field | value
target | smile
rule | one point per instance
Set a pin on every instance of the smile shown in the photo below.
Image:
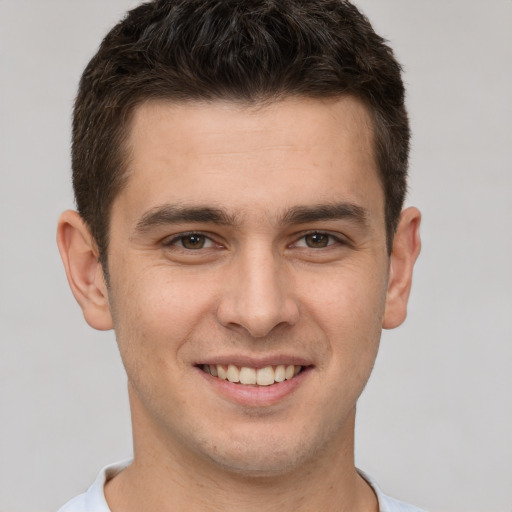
(253, 376)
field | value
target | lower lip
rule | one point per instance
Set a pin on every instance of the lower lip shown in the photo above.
(256, 396)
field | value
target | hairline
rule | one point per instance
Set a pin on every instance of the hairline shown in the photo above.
(123, 151)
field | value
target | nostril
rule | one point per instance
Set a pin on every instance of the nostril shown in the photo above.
(258, 300)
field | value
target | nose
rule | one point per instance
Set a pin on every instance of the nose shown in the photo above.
(257, 296)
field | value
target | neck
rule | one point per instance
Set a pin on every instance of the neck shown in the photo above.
(167, 477)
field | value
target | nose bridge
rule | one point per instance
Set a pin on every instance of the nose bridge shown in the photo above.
(258, 297)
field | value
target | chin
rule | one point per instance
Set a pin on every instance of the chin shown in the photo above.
(268, 456)
(258, 465)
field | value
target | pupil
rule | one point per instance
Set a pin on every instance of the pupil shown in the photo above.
(317, 240)
(193, 242)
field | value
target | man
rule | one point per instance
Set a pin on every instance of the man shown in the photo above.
(239, 170)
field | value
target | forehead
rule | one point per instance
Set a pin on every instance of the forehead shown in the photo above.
(297, 151)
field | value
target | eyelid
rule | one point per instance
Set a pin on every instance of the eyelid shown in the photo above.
(335, 239)
(172, 240)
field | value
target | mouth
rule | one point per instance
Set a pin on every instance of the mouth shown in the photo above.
(246, 376)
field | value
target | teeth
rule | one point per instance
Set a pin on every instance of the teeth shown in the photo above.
(252, 376)
(233, 373)
(265, 376)
(248, 375)
(280, 373)
(221, 372)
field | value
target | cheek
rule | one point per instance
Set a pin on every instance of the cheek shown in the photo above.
(348, 307)
(350, 297)
(155, 313)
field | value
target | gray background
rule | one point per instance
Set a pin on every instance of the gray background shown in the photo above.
(435, 423)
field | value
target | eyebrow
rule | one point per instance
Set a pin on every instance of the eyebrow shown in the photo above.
(323, 212)
(175, 214)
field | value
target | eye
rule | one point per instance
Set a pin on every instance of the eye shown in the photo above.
(191, 241)
(317, 240)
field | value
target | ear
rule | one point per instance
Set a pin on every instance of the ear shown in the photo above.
(80, 256)
(406, 248)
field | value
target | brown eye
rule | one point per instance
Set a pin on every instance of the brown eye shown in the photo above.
(317, 240)
(193, 241)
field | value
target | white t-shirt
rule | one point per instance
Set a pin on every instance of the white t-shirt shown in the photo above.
(94, 499)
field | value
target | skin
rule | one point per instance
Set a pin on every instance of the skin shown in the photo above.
(259, 284)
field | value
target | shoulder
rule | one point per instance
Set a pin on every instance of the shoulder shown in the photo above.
(77, 504)
(94, 499)
(386, 503)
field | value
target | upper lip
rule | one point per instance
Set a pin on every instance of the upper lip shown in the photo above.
(255, 362)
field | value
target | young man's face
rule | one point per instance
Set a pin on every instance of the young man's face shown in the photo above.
(248, 238)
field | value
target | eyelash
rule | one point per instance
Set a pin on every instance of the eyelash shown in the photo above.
(174, 241)
(182, 236)
(331, 239)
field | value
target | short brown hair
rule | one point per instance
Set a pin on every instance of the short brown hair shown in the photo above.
(244, 50)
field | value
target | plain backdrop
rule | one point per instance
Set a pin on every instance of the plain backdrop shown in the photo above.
(435, 422)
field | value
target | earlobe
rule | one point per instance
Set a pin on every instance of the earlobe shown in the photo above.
(84, 271)
(406, 248)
